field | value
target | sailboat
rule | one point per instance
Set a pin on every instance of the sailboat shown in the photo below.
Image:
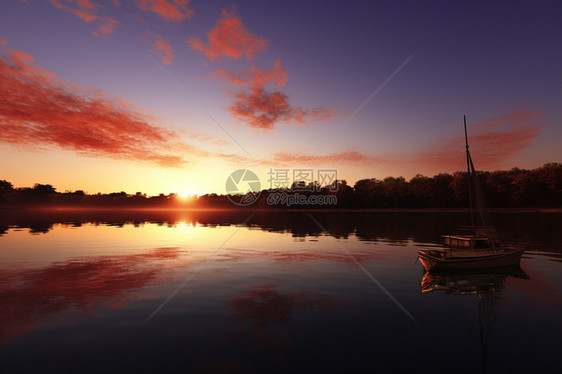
(475, 246)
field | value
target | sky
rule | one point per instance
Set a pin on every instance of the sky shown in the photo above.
(164, 96)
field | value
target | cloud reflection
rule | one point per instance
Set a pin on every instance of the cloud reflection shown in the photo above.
(267, 309)
(29, 297)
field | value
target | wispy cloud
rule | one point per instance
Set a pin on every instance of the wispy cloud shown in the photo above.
(161, 48)
(200, 136)
(86, 4)
(3, 41)
(229, 38)
(38, 109)
(168, 10)
(351, 156)
(105, 25)
(493, 142)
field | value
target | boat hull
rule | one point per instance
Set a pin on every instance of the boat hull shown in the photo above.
(507, 258)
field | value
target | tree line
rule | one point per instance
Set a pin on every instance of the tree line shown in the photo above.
(540, 187)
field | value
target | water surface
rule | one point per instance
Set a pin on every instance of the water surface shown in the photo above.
(270, 292)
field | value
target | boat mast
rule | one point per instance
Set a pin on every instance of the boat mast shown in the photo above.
(470, 181)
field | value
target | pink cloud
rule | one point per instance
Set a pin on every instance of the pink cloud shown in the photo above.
(85, 16)
(86, 4)
(3, 41)
(168, 10)
(229, 38)
(163, 50)
(37, 109)
(255, 77)
(492, 142)
(105, 25)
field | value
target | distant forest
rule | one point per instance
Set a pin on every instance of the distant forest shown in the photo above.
(515, 188)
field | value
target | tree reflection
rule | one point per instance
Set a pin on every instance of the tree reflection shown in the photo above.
(392, 227)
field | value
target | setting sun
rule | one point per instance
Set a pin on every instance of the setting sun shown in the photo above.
(185, 195)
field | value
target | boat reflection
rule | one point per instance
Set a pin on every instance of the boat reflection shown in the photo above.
(486, 284)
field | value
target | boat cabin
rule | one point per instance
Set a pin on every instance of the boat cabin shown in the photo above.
(478, 237)
(466, 242)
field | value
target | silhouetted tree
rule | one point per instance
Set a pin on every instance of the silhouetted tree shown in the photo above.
(540, 187)
(369, 193)
(5, 186)
(397, 193)
(44, 188)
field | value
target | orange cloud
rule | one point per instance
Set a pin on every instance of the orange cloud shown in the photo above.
(259, 107)
(163, 50)
(105, 25)
(262, 109)
(3, 41)
(229, 38)
(38, 109)
(173, 10)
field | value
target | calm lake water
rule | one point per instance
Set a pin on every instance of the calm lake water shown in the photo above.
(275, 292)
